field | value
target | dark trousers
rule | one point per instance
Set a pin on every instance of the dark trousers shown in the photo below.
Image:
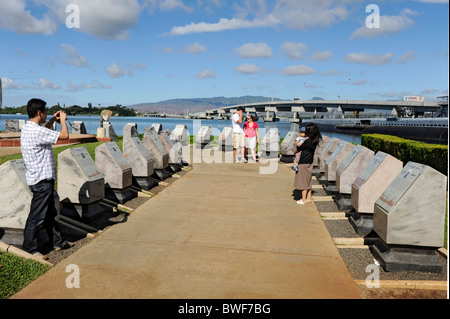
(41, 230)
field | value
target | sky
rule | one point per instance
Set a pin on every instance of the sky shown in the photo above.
(109, 52)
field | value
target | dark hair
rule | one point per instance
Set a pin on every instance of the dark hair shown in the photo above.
(313, 132)
(253, 117)
(240, 108)
(35, 105)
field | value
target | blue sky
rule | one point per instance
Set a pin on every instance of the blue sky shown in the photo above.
(135, 51)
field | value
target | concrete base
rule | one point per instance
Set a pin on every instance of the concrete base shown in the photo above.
(226, 148)
(144, 183)
(12, 236)
(330, 188)
(269, 154)
(321, 179)
(406, 258)
(84, 212)
(343, 201)
(161, 174)
(173, 168)
(361, 222)
(287, 158)
(118, 195)
(315, 171)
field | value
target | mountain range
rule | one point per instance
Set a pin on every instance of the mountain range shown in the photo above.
(193, 105)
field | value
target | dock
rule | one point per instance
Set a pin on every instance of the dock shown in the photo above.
(222, 231)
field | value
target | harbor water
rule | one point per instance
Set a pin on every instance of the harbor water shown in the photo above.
(193, 126)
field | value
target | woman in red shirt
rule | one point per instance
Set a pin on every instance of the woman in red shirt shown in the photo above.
(251, 135)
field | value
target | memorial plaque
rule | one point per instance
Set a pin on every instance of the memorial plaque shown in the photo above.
(156, 149)
(326, 153)
(130, 130)
(319, 149)
(203, 137)
(288, 147)
(373, 180)
(78, 127)
(81, 185)
(14, 194)
(12, 125)
(226, 139)
(411, 214)
(270, 144)
(158, 128)
(351, 167)
(109, 131)
(116, 171)
(179, 134)
(141, 163)
(336, 159)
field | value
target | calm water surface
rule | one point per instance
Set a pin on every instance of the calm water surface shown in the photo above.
(193, 126)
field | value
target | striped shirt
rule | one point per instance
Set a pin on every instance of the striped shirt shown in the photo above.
(36, 144)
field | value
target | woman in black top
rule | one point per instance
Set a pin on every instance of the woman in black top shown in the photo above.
(303, 178)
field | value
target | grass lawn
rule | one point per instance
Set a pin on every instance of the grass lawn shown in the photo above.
(16, 273)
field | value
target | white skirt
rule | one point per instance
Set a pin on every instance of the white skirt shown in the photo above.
(250, 142)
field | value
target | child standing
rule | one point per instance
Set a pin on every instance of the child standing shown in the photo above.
(299, 141)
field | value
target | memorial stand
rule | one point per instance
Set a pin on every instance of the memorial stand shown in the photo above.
(155, 148)
(409, 218)
(288, 147)
(270, 144)
(332, 164)
(323, 157)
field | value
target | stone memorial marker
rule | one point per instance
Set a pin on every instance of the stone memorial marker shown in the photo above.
(12, 125)
(15, 197)
(109, 131)
(141, 163)
(129, 131)
(179, 134)
(320, 147)
(288, 147)
(175, 151)
(348, 171)
(368, 187)
(270, 144)
(332, 164)
(81, 185)
(78, 127)
(323, 157)
(203, 137)
(226, 139)
(105, 115)
(116, 171)
(409, 217)
(158, 127)
(153, 145)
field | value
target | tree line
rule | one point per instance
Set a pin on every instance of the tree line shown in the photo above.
(118, 110)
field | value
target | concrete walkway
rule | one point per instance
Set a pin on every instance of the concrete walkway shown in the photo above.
(221, 231)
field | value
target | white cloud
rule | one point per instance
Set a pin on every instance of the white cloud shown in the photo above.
(254, 50)
(195, 48)
(46, 84)
(222, 25)
(15, 16)
(8, 83)
(367, 58)
(205, 74)
(83, 86)
(114, 70)
(331, 72)
(410, 56)
(388, 25)
(293, 14)
(294, 50)
(321, 56)
(106, 19)
(298, 70)
(73, 57)
(168, 5)
(248, 69)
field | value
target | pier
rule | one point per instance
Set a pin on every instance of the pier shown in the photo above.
(221, 231)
